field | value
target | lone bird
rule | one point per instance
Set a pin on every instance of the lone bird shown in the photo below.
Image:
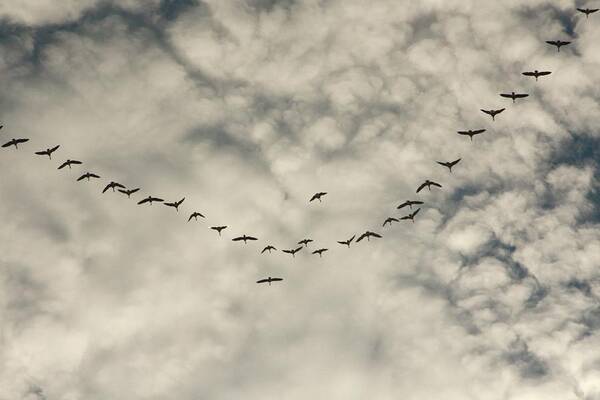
(428, 184)
(320, 252)
(493, 113)
(347, 242)
(129, 192)
(389, 220)
(305, 242)
(470, 133)
(317, 196)
(411, 216)
(87, 176)
(195, 215)
(557, 43)
(409, 203)
(15, 142)
(587, 11)
(175, 204)
(113, 185)
(513, 95)
(269, 279)
(244, 238)
(48, 152)
(68, 163)
(368, 235)
(218, 228)
(536, 73)
(150, 199)
(449, 164)
(268, 248)
(293, 251)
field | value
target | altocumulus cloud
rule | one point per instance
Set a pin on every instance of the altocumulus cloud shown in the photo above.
(247, 108)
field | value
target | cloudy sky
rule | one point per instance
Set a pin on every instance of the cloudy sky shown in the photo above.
(247, 108)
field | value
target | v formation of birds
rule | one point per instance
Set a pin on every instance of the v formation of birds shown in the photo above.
(303, 244)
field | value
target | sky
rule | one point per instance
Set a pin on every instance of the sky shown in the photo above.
(247, 108)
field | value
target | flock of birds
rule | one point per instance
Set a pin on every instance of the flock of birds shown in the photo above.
(304, 243)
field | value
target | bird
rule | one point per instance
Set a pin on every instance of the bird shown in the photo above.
(513, 95)
(218, 228)
(1, 126)
(493, 113)
(368, 235)
(112, 185)
(150, 199)
(268, 248)
(269, 279)
(409, 203)
(587, 11)
(305, 242)
(293, 251)
(347, 242)
(389, 220)
(470, 133)
(129, 192)
(15, 142)
(68, 163)
(317, 196)
(195, 215)
(428, 184)
(449, 164)
(320, 252)
(557, 43)
(87, 176)
(175, 204)
(536, 73)
(411, 216)
(48, 152)
(244, 238)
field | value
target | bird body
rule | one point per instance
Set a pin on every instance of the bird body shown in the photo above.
(449, 164)
(68, 163)
(389, 220)
(305, 242)
(150, 199)
(218, 228)
(175, 204)
(112, 185)
(317, 196)
(411, 216)
(195, 215)
(514, 96)
(470, 133)
(428, 184)
(536, 73)
(347, 242)
(87, 176)
(268, 248)
(368, 235)
(293, 251)
(587, 11)
(320, 252)
(409, 203)
(557, 43)
(129, 192)
(269, 280)
(15, 142)
(47, 152)
(493, 113)
(244, 238)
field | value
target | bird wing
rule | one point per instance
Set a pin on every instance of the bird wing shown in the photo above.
(134, 190)
(263, 250)
(489, 112)
(315, 196)
(63, 165)
(276, 279)
(251, 238)
(107, 187)
(521, 95)
(478, 131)
(445, 164)
(351, 239)
(552, 42)
(180, 201)
(544, 73)
(402, 205)
(82, 177)
(170, 204)
(421, 187)
(119, 185)
(415, 213)
(143, 201)
(435, 184)
(405, 217)
(94, 176)
(7, 144)
(76, 162)
(41, 153)
(377, 235)
(191, 216)
(157, 199)
(361, 237)
(499, 111)
(52, 150)
(582, 10)
(564, 43)
(509, 95)
(21, 140)
(529, 73)
(453, 163)
(237, 239)
(262, 281)
(463, 132)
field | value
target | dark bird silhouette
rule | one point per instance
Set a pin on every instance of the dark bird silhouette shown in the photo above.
(269, 279)
(129, 192)
(48, 152)
(368, 235)
(449, 164)
(305, 242)
(428, 184)
(389, 220)
(514, 96)
(317, 196)
(87, 176)
(587, 11)
(68, 163)
(493, 113)
(195, 215)
(175, 204)
(113, 185)
(1, 126)
(411, 216)
(293, 251)
(150, 199)
(15, 142)
(347, 242)
(268, 248)
(218, 228)
(320, 252)
(470, 133)
(536, 73)
(409, 203)
(244, 238)
(557, 43)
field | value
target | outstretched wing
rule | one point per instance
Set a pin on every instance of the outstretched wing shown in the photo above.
(21, 140)
(76, 162)
(377, 235)
(82, 177)
(544, 73)
(276, 279)
(415, 213)
(237, 239)
(521, 95)
(63, 165)
(361, 237)
(421, 187)
(157, 199)
(7, 144)
(453, 163)
(477, 131)
(144, 201)
(41, 153)
(435, 184)
(508, 95)
(251, 238)
(529, 73)
(315, 196)
(107, 187)
(445, 164)
(263, 280)
(552, 42)
(263, 250)
(403, 205)
(52, 150)
(119, 185)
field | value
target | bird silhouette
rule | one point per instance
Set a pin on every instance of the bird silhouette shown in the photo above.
(244, 238)
(48, 152)
(514, 96)
(293, 251)
(195, 215)
(411, 216)
(409, 203)
(587, 11)
(347, 242)
(129, 192)
(470, 133)
(150, 199)
(269, 279)
(389, 220)
(113, 185)
(68, 163)
(175, 204)
(15, 142)
(305, 242)
(320, 252)
(557, 43)
(1, 126)
(536, 73)
(493, 113)
(368, 235)
(449, 164)
(317, 196)
(268, 248)
(87, 176)
(218, 228)
(428, 184)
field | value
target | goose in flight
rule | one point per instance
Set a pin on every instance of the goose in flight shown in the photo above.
(428, 184)
(347, 242)
(305, 242)
(409, 203)
(129, 192)
(150, 199)
(411, 216)
(175, 204)
(293, 251)
(87, 176)
(557, 43)
(195, 215)
(449, 164)
(269, 279)
(268, 248)
(368, 235)
(218, 228)
(493, 113)
(244, 238)
(587, 11)
(389, 220)
(470, 133)
(15, 142)
(48, 152)
(536, 73)
(317, 196)
(113, 185)
(514, 96)
(68, 163)
(320, 252)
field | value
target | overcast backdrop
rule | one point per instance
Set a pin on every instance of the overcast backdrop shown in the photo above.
(247, 108)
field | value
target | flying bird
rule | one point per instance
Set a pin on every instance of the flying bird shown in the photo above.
(129, 192)
(557, 43)
(48, 152)
(587, 11)
(317, 196)
(113, 185)
(320, 252)
(411, 216)
(269, 279)
(470, 133)
(87, 176)
(68, 163)
(305, 242)
(150, 199)
(493, 113)
(175, 204)
(536, 73)
(389, 220)
(368, 235)
(195, 215)
(347, 242)
(409, 203)
(449, 164)
(218, 228)
(244, 238)
(514, 96)
(15, 142)
(293, 251)
(428, 184)
(268, 248)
